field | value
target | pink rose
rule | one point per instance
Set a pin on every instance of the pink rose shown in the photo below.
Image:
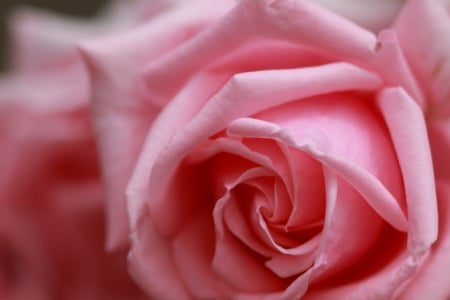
(52, 231)
(268, 150)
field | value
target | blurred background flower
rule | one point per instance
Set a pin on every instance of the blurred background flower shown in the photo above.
(52, 214)
(80, 8)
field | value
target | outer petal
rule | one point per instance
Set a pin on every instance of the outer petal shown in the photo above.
(427, 48)
(122, 108)
(408, 132)
(432, 280)
(297, 22)
(152, 266)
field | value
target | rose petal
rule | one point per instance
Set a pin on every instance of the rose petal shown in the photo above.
(193, 250)
(308, 184)
(122, 124)
(432, 279)
(252, 19)
(309, 25)
(409, 135)
(427, 48)
(239, 268)
(238, 225)
(394, 66)
(150, 258)
(380, 269)
(291, 265)
(369, 287)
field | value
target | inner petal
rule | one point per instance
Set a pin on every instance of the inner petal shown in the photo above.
(309, 195)
(254, 206)
(301, 175)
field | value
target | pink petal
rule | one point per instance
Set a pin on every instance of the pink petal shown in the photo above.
(152, 266)
(427, 48)
(236, 266)
(259, 19)
(308, 183)
(301, 23)
(431, 281)
(121, 108)
(193, 249)
(228, 213)
(393, 269)
(393, 272)
(390, 62)
(352, 230)
(409, 135)
(292, 265)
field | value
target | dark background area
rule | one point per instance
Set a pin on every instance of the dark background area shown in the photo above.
(69, 7)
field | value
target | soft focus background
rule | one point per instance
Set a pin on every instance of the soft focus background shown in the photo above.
(82, 8)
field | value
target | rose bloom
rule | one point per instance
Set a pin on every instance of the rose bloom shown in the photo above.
(275, 150)
(52, 231)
